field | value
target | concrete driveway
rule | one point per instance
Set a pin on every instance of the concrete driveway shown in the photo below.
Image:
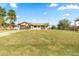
(7, 33)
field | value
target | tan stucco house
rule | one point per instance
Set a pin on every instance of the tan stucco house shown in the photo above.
(39, 26)
(24, 25)
(33, 26)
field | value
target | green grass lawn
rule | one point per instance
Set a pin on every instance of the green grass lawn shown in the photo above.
(41, 43)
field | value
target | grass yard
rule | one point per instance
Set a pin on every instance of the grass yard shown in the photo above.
(41, 43)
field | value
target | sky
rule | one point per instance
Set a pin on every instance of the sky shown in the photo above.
(43, 12)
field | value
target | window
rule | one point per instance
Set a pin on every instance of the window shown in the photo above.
(35, 26)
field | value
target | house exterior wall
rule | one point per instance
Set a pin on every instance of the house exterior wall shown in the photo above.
(77, 23)
(23, 26)
(38, 28)
(33, 26)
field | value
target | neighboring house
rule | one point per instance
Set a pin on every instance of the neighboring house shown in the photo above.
(24, 25)
(75, 26)
(11, 27)
(33, 26)
(39, 26)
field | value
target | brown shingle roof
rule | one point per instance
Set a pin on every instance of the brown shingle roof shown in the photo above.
(33, 24)
(23, 22)
(38, 24)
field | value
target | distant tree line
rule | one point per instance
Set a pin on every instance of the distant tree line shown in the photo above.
(65, 24)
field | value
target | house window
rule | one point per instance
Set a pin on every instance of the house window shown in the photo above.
(35, 26)
(38, 26)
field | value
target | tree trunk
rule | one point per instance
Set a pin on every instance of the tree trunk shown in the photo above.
(1, 28)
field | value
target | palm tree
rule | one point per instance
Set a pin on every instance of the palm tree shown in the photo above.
(11, 17)
(2, 15)
(2, 12)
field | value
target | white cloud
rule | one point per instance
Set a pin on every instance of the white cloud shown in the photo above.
(53, 5)
(67, 14)
(13, 5)
(64, 17)
(71, 6)
(18, 16)
(72, 23)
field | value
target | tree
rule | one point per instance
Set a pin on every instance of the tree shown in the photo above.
(77, 20)
(53, 27)
(63, 24)
(75, 26)
(11, 17)
(2, 15)
(2, 12)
